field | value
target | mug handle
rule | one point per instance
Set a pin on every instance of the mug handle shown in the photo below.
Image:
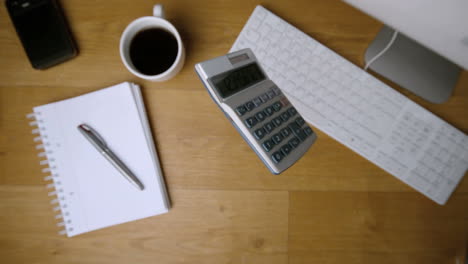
(158, 11)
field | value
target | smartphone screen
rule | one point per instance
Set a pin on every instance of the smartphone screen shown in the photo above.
(42, 30)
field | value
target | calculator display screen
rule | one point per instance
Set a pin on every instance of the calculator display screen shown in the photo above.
(234, 81)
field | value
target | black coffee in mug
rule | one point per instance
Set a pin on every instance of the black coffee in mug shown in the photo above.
(153, 51)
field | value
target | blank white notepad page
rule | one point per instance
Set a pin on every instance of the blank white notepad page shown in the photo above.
(95, 194)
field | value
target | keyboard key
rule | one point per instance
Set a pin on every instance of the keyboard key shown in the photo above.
(292, 111)
(300, 121)
(277, 121)
(294, 142)
(241, 110)
(257, 101)
(308, 131)
(265, 97)
(269, 111)
(286, 149)
(260, 116)
(251, 121)
(259, 133)
(277, 138)
(286, 132)
(269, 127)
(268, 145)
(277, 106)
(285, 116)
(277, 156)
(250, 106)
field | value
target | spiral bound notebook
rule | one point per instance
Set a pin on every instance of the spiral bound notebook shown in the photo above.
(88, 191)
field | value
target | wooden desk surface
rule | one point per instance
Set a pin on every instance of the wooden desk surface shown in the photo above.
(333, 206)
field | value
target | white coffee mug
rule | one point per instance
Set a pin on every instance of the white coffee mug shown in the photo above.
(143, 23)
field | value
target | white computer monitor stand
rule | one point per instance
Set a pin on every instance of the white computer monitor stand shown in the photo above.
(413, 66)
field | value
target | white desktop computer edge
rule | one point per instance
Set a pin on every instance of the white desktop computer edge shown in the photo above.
(430, 50)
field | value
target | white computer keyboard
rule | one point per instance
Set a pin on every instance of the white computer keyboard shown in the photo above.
(357, 109)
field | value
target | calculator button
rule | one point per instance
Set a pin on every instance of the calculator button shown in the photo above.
(250, 106)
(269, 111)
(269, 127)
(308, 131)
(251, 121)
(284, 101)
(294, 142)
(277, 156)
(286, 132)
(260, 133)
(277, 121)
(286, 149)
(260, 116)
(285, 116)
(277, 138)
(265, 97)
(300, 121)
(302, 135)
(273, 124)
(257, 101)
(268, 145)
(241, 110)
(277, 90)
(296, 129)
(271, 94)
(292, 111)
(277, 106)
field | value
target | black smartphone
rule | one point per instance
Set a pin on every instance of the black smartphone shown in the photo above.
(43, 31)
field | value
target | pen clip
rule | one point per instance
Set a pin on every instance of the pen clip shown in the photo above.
(93, 133)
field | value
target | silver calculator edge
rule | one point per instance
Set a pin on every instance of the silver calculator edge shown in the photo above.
(216, 66)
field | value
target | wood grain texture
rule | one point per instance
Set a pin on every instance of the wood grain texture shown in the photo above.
(206, 226)
(357, 227)
(332, 206)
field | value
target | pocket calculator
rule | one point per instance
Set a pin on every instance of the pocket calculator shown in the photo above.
(257, 108)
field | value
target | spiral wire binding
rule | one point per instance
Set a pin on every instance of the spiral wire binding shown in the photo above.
(53, 180)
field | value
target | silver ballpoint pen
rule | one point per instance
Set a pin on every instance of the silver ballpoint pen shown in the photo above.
(93, 137)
